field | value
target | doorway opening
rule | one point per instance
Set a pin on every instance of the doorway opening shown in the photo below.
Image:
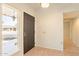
(71, 32)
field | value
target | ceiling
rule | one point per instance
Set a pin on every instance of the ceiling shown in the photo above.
(71, 10)
(61, 5)
(64, 6)
(71, 7)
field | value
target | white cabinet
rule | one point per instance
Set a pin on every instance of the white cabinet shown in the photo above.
(9, 47)
(9, 31)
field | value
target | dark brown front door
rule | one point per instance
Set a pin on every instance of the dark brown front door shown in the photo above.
(29, 22)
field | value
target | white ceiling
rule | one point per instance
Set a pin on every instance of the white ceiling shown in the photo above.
(61, 5)
(65, 6)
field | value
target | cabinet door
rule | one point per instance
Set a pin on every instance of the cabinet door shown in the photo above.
(9, 47)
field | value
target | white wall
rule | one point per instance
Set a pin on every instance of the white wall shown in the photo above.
(75, 31)
(49, 28)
